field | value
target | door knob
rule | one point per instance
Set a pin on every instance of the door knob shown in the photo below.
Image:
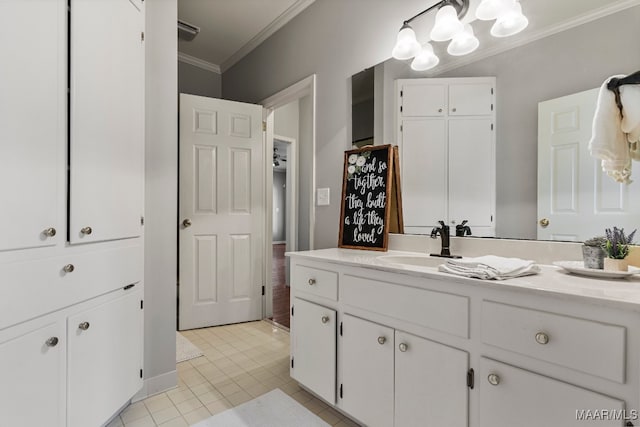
(186, 223)
(84, 326)
(325, 319)
(544, 222)
(403, 347)
(382, 340)
(68, 268)
(86, 230)
(49, 232)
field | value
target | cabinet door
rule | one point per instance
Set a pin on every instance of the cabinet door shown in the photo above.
(104, 359)
(33, 377)
(513, 396)
(314, 348)
(32, 119)
(107, 121)
(471, 173)
(423, 99)
(367, 371)
(423, 161)
(431, 387)
(470, 99)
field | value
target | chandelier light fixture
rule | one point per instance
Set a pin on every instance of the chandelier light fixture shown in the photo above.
(509, 21)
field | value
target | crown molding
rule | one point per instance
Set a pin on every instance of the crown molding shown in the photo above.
(267, 32)
(197, 62)
(537, 35)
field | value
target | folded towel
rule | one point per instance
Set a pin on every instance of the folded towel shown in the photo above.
(490, 267)
(608, 140)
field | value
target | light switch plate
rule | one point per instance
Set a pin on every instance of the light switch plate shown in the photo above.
(322, 196)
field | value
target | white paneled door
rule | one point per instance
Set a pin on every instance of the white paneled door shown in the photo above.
(222, 212)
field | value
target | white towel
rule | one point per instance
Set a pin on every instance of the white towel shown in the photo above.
(630, 99)
(608, 141)
(490, 267)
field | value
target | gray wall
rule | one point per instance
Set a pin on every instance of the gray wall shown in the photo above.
(333, 39)
(161, 195)
(572, 61)
(197, 81)
(279, 211)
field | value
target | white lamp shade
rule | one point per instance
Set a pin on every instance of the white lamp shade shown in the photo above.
(425, 60)
(463, 43)
(491, 9)
(511, 22)
(406, 44)
(447, 24)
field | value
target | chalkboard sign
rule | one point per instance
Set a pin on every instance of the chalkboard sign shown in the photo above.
(370, 193)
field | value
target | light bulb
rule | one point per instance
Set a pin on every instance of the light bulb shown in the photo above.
(425, 60)
(464, 42)
(491, 9)
(510, 22)
(406, 44)
(447, 24)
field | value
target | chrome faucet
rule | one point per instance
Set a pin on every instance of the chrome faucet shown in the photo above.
(443, 231)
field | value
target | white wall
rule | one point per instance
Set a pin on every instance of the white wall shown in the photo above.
(161, 195)
(333, 39)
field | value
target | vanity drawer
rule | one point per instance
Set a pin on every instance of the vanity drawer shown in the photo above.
(439, 311)
(315, 281)
(581, 344)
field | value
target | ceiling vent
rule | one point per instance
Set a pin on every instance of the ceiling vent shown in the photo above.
(187, 31)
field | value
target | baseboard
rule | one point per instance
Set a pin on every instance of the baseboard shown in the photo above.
(156, 385)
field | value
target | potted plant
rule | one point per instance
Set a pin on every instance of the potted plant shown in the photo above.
(616, 248)
(593, 252)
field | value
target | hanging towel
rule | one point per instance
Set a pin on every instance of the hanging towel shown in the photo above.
(490, 267)
(608, 141)
(630, 99)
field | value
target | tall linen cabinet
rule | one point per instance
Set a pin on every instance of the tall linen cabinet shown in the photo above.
(72, 220)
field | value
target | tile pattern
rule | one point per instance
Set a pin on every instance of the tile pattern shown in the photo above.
(240, 362)
(281, 292)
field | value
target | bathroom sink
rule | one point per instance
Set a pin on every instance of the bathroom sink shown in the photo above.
(412, 260)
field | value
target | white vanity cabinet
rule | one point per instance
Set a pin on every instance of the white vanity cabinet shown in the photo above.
(445, 132)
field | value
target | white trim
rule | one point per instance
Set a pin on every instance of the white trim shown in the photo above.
(197, 62)
(537, 35)
(156, 385)
(267, 32)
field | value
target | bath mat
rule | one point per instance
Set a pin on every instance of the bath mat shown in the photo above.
(185, 349)
(272, 409)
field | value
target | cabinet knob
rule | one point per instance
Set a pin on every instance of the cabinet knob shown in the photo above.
(439, 110)
(453, 109)
(50, 232)
(84, 326)
(403, 347)
(86, 230)
(325, 319)
(382, 340)
(544, 222)
(493, 379)
(68, 268)
(542, 338)
(186, 223)
(52, 342)
(312, 282)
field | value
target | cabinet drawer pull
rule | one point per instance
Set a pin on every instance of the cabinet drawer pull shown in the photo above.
(52, 342)
(325, 319)
(542, 338)
(382, 340)
(84, 325)
(403, 347)
(68, 268)
(312, 282)
(50, 232)
(493, 379)
(86, 230)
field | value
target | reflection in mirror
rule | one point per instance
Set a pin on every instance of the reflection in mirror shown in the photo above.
(362, 108)
(569, 47)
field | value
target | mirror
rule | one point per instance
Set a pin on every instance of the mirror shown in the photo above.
(569, 47)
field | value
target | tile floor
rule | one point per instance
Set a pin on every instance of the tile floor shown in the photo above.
(240, 362)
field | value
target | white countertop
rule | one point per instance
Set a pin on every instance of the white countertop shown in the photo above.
(623, 293)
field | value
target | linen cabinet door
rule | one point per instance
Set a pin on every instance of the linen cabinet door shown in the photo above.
(367, 371)
(107, 120)
(32, 369)
(471, 99)
(104, 359)
(32, 120)
(314, 348)
(431, 388)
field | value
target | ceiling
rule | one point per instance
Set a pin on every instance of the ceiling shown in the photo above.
(230, 29)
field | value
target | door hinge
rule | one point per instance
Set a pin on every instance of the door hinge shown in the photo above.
(400, 128)
(292, 362)
(340, 328)
(262, 290)
(142, 36)
(140, 373)
(491, 107)
(491, 218)
(401, 93)
(491, 126)
(264, 126)
(491, 91)
(141, 220)
(291, 311)
(129, 286)
(401, 108)
(470, 378)
(141, 304)
(340, 391)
